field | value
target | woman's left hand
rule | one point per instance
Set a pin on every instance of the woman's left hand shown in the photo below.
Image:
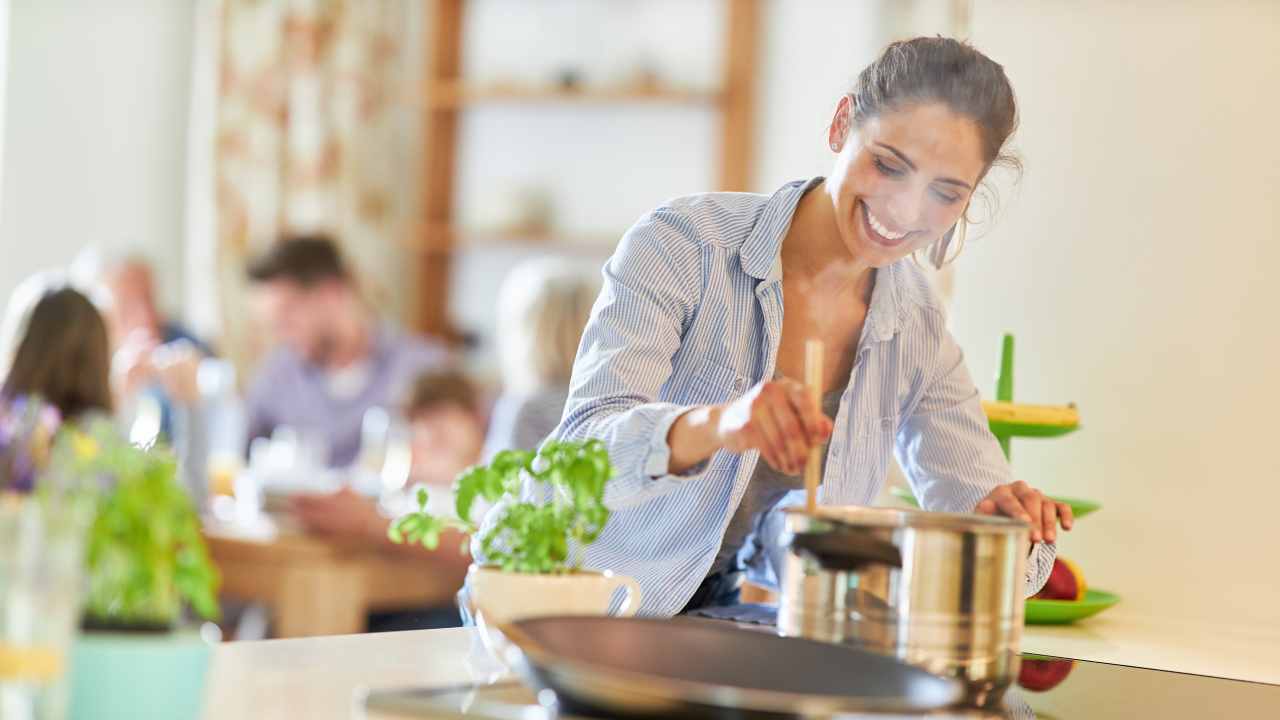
(1020, 501)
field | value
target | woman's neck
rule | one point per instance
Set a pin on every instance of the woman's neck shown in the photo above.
(814, 253)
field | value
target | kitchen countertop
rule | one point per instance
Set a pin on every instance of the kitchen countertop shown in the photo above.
(317, 678)
(1238, 652)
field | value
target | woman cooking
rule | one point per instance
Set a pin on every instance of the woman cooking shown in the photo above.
(688, 365)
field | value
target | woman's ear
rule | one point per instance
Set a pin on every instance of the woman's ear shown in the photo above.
(838, 133)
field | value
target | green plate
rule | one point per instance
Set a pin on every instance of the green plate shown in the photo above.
(1061, 612)
(1079, 508)
(1005, 428)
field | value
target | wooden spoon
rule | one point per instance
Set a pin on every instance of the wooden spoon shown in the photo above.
(813, 383)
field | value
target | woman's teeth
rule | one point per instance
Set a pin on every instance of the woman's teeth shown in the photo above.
(880, 228)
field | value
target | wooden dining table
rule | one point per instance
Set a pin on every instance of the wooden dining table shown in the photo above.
(315, 585)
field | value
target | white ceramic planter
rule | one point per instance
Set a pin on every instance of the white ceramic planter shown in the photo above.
(505, 596)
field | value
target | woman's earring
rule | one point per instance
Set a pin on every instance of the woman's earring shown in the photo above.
(938, 252)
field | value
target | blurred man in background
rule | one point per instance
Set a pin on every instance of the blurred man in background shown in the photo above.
(336, 358)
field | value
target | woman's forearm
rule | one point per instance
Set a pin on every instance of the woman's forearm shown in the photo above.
(693, 438)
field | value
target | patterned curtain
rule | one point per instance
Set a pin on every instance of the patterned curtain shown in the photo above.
(303, 119)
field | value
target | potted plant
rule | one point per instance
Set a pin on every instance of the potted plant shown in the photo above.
(531, 544)
(146, 564)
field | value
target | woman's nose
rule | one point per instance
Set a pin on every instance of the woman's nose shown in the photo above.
(904, 210)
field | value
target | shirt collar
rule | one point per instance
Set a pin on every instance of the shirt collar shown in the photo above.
(759, 253)
(760, 257)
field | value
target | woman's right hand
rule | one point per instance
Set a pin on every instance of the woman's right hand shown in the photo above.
(777, 417)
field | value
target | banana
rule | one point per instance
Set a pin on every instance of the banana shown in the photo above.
(1055, 415)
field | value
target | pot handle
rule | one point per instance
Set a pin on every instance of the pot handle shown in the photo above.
(845, 548)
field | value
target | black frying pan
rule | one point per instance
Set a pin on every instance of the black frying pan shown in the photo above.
(637, 667)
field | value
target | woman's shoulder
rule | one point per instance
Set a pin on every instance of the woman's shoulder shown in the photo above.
(723, 219)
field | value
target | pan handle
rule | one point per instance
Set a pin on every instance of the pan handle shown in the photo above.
(845, 548)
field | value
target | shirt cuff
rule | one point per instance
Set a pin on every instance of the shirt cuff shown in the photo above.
(658, 461)
(1039, 565)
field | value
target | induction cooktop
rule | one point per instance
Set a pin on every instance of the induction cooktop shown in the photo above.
(1048, 687)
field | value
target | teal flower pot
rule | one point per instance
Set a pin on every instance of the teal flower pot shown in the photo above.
(139, 676)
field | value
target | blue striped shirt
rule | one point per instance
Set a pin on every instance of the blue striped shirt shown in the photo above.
(690, 313)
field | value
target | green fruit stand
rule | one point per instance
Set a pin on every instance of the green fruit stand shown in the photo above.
(1038, 612)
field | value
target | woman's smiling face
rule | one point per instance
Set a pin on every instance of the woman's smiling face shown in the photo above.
(901, 179)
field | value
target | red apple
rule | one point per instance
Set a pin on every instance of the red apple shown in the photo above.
(1065, 582)
(1044, 674)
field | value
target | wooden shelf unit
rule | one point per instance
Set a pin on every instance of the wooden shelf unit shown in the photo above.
(446, 93)
(448, 239)
(460, 95)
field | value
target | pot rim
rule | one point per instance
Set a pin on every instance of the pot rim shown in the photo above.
(861, 516)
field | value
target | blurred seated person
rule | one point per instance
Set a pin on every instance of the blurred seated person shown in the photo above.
(54, 343)
(543, 307)
(145, 345)
(336, 358)
(132, 309)
(58, 351)
(446, 427)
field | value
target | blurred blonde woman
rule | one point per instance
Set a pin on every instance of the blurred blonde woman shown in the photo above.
(543, 306)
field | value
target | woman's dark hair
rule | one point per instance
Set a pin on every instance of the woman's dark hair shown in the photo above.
(64, 356)
(938, 69)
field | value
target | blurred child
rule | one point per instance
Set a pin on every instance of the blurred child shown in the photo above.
(447, 429)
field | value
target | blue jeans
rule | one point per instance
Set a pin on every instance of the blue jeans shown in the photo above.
(717, 590)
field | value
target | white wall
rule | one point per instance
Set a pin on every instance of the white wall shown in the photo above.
(1136, 266)
(95, 113)
(811, 52)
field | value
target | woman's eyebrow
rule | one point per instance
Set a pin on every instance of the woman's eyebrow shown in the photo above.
(953, 181)
(899, 153)
(907, 160)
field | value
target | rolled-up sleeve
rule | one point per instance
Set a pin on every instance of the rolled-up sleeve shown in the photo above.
(651, 288)
(946, 448)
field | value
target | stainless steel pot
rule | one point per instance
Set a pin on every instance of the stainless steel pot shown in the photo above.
(941, 591)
